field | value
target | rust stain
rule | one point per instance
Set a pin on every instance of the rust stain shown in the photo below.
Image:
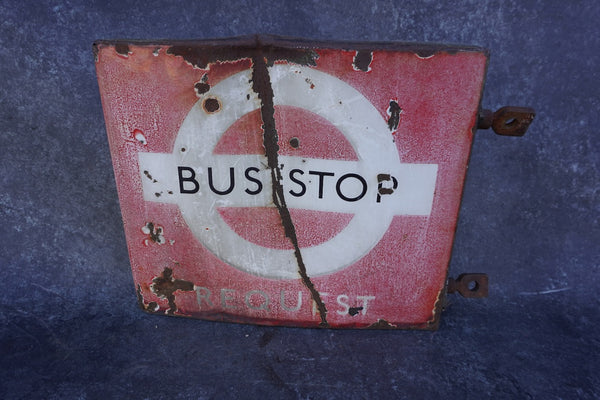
(95, 50)
(202, 55)
(201, 87)
(140, 297)
(155, 233)
(151, 307)
(362, 60)
(352, 311)
(122, 49)
(438, 307)
(295, 50)
(147, 173)
(394, 112)
(261, 84)
(382, 324)
(211, 105)
(165, 286)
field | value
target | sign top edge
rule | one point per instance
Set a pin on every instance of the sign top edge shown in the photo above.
(285, 42)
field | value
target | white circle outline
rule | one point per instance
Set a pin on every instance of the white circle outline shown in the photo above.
(320, 93)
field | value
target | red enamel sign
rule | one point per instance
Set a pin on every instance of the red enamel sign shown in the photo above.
(290, 183)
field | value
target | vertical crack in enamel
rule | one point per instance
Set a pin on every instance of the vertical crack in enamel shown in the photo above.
(261, 84)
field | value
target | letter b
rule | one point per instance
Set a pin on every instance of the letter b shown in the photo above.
(191, 179)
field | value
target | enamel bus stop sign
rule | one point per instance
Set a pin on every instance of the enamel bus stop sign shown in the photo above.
(282, 182)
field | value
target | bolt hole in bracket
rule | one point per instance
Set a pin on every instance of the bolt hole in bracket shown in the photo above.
(507, 121)
(469, 285)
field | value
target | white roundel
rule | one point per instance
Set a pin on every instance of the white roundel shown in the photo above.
(340, 104)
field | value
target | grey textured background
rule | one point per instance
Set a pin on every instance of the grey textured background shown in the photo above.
(69, 323)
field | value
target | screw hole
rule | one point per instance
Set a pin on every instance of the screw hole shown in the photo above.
(473, 286)
(295, 142)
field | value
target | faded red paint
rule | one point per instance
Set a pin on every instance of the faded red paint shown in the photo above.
(399, 281)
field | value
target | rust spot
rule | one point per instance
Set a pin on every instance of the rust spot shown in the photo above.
(140, 298)
(362, 60)
(122, 49)
(382, 324)
(147, 173)
(439, 306)
(95, 50)
(352, 311)
(155, 233)
(151, 307)
(165, 286)
(211, 105)
(200, 56)
(394, 112)
(201, 88)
